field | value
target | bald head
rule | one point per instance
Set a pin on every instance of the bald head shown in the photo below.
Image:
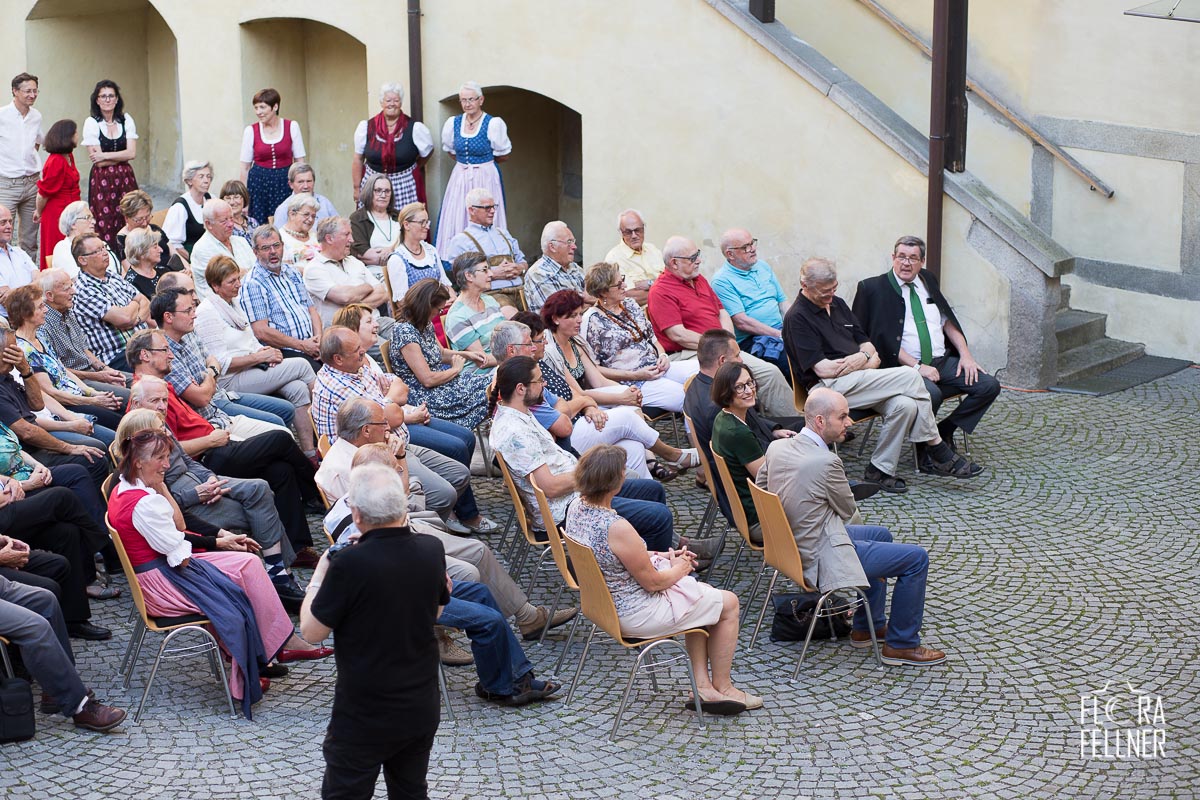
(827, 414)
(682, 257)
(738, 247)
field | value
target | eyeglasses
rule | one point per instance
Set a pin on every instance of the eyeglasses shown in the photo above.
(92, 253)
(485, 208)
(424, 223)
(748, 246)
(907, 259)
(381, 422)
(157, 349)
(381, 190)
(536, 380)
(633, 231)
(567, 242)
(270, 247)
(469, 100)
(523, 344)
(745, 388)
(539, 341)
(106, 97)
(694, 257)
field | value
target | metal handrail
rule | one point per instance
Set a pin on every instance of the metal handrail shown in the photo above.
(987, 97)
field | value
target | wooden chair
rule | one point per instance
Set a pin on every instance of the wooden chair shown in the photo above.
(525, 522)
(171, 626)
(323, 445)
(386, 357)
(742, 524)
(782, 554)
(391, 304)
(597, 605)
(713, 510)
(8, 668)
(558, 552)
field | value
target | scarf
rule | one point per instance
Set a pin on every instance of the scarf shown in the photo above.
(379, 129)
(232, 315)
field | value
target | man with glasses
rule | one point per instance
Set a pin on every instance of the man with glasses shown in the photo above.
(912, 325)
(751, 293)
(828, 348)
(641, 262)
(16, 267)
(503, 253)
(556, 269)
(280, 311)
(110, 310)
(683, 306)
(218, 240)
(62, 333)
(302, 180)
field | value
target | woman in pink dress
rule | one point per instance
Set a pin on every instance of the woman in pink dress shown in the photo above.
(227, 583)
(58, 186)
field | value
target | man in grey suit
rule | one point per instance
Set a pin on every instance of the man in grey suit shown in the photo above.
(812, 485)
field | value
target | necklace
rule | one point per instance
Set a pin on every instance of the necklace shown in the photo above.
(624, 322)
(471, 125)
(296, 234)
(420, 251)
(378, 227)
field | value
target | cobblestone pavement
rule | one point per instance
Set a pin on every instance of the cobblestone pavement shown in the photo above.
(1070, 563)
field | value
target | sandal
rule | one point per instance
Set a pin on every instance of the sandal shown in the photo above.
(96, 591)
(663, 473)
(959, 467)
(688, 458)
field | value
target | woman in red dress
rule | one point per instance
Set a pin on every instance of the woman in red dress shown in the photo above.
(58, 186)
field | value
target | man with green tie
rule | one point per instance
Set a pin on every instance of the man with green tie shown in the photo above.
(912, 325)
(827, 347)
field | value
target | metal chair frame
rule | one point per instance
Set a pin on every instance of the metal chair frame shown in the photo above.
(713, 510)
(559, 553)
(522, 516)
(8, 667)
(742, 524)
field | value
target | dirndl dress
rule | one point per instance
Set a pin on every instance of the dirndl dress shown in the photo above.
(108, 184)
(267, 180)
(476, 167)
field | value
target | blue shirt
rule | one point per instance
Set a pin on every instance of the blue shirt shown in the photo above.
(545, 412)
(280, 299)
(494, 241)
(755, 291)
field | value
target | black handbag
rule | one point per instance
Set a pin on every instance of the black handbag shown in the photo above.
(794, 613)
(16, 710)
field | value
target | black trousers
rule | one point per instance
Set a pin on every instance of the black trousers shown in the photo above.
(275, 458)
(978, 398)
(352, 768)
(44, 570)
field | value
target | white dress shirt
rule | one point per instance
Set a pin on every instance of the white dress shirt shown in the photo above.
(19, 138)
(910, 342)
(322, 274)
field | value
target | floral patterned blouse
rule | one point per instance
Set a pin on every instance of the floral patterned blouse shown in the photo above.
(48, 362)
(620, 341)
(11, 462)
(462, 400)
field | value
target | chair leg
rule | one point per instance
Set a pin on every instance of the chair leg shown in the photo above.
(706, 520)
(763, 611)
(129, 650)
(737, 560)
(567, 644)
(220, 662)
(578, 669)
(550, 615)
(138, 640)
(8, 668)
(625, 695)
(653, 678)
(486, 453)
(445, 692)
(537, 570)
(753, 594)
(870, 627)
(816, 614)
(867, 435)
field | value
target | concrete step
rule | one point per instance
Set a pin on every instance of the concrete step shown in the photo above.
(1075, 328)
(1064, 297)
(1096, 357)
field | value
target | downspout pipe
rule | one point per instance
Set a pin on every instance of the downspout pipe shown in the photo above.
(415, 89)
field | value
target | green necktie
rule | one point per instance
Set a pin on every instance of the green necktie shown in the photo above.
(918, 312)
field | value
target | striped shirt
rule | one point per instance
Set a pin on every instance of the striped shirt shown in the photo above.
(188, 369)
(63, 334)
(280, 299)
(464, 325)
(546, 276)
(93, 299)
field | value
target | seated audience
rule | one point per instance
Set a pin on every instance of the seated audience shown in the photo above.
(218, 240)
(753, 298)
(245, 365)
(213, 505)
(683, 306)
(302, 180)
(434, 374)
(137, 208)
(184, 223)
(31, 619)
(225, 582)
(503, 253)
(811, 482)
(556, 270)
(76, 220)
(473, 316)
(374, 226)
(17, 268)
(734, 392)
(300, 245)
(63, 334)
(280, 311)
(413, 259)
(639, 261)
(143, 255)
(335, 278)
(238, 196)
(654, 592)
(108, 308)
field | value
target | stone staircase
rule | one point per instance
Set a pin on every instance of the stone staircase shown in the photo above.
(1083, 349)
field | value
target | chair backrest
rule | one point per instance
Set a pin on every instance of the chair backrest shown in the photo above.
(522, 513)
(594, 598)
(391, 304)
(779, 545)
(384, 347)
(555, 536)
(706, 470)
(135, 588)
(312, 418)
(324, 497)
(687, 382)
(735, 500)
(799, 393)
(323, 445)
(113, 454)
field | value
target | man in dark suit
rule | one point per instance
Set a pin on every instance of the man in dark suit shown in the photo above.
(911, 324)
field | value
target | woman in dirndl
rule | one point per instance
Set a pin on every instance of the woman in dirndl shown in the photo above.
(111, 141)
(478, 141)
(392, 145)
(269, 147)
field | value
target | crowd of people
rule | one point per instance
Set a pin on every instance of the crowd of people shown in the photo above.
(261, 356)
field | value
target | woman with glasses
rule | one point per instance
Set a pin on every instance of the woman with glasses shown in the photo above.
(76, 218)
(393, 146)
(478, 142)
(474, 315)
(111, 141)
(137, 208)
(734, 391)
(375, 230)
(299, 245)
(623, 343)
(414, 259)
(238, 196)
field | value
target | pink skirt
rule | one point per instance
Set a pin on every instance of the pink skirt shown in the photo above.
(453, 218)
(668, 615)
(247, 571)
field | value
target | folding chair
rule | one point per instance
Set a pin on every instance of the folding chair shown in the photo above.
(386, 357)
(323, 445)
(712, 511)
(597, 605)
(171, 626)
(525, 521)
(782, 554)
(742, 524)
(554, 537)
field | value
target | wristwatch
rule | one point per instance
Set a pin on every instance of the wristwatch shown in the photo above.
(214, 371)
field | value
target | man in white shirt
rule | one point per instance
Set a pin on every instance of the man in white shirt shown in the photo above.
(218, 240)
(16, 268)
(335, 278)
(20, 137)
(302, 180)
(640, 262)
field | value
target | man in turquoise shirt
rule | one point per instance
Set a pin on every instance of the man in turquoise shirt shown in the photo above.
(753, 297)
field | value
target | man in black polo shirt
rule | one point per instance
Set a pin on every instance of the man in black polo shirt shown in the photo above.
(381, 597)
(826, 347)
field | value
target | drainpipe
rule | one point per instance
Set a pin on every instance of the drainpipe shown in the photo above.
(415, 92)
(947, 115)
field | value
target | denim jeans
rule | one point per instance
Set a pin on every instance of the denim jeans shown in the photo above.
(909, 564)
(99, 434)
(262, 407)
(644, 504)
(499, 658)
(452, 441)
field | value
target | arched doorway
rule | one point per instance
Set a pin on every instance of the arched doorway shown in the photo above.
(543, 179)
(320, 73)
(73, 45)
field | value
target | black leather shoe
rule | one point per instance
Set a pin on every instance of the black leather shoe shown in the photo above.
(273, 670)
(290, 594)
(864, 489)
(86, 630)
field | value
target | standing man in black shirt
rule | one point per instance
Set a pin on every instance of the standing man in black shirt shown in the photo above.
(382, 597)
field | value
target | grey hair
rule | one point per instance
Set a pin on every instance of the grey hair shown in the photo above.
(191, 168)
(818, 272)
(264, 231)
(332, 341)
(550, 230)
(478, 194)
(391, 88)
(903, 241)
(626, 213)
(302, 201)
(506, 333)
(47, 279)
(328, 227)
(298, 169)
(353, 415)
(377, 494)
(139, 241)
(71, 215)
(675, 247)
(211, 207)
(728, 237)
(137, 392)
(471, 86)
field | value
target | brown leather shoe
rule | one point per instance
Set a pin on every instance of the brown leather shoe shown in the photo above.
(99, 717)
(451, 652)
(863, 638)
(306, 558)
(533, 630)
(919, 656)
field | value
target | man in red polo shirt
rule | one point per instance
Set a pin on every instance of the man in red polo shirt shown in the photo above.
(683, 306)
